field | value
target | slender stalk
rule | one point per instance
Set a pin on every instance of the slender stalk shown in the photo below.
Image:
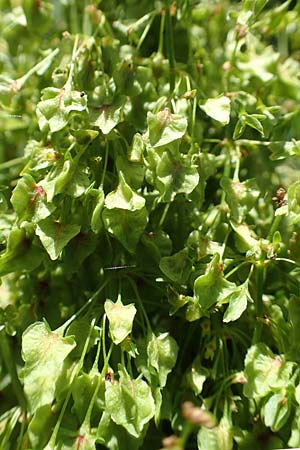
(170, 48)
(105, 164)
(164, 214)
(161, 32)
(274, 227)
(52, 441)
(260, 273)
(145, 32)
(18, 84)
(11, 163)
(6, 353)
(144, 314)
(69, 81)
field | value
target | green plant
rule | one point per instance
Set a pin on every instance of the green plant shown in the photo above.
(149, 225)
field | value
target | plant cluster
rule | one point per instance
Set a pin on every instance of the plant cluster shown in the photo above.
(149, 225)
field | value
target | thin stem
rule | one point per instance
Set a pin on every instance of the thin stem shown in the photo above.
(11, 163)
(105, 366)
(103, 339)
(69, 81)
(12, 370)
(170, 48)
(260, 272)
(161, 32)
(145, 32)
(75, 372)
(193, 120)
(105, 164)
(164, 214)
(80, 311)
(22, 80)
(236, 268)
(144, 314)
(274, 227)
(74, 17)
(237, 166)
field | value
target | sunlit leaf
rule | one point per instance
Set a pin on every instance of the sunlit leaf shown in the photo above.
(43, 352)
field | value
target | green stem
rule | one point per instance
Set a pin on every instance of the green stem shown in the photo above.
(260, 272)
(161, 32)
(236, 268)
(80, 311)
(9, 428)
(164, 214)
(74, 22)
(105, 164)
(78, 367)
(22, 80)
(274, 227)
(145, 32)
(11, 163)
(6, 353)
(170, 48)
(144, 314)
(69, 82)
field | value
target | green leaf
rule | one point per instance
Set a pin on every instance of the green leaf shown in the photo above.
(56, 107)
(83, 389)
(124, 198)
(28, 200)
(245, 238)
(84, 439)
(59, 178)
(162, 353)
(40, 426)
(276, 411)
(196, 376)
(21, 253)
(43, 352)
(164, 127)
(253, 121)
(285, 149)
(175, 175)
(133, 172)
(115, 437)
(120, 319)
(217, 108)
(130, 403)
(294, 440)
(237, 300)
(125, 225)
(55, 236)
(107, 117)
(212, 287)
(218, 438)
(240, 196)
(294, 201)
(177, 267)
(265, 371)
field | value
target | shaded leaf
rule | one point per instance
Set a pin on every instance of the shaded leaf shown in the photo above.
(129, 403)
(212, 287)
(177, 267)
(55, 235)
(125, 225)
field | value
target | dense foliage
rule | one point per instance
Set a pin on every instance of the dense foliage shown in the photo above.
(149, 225)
